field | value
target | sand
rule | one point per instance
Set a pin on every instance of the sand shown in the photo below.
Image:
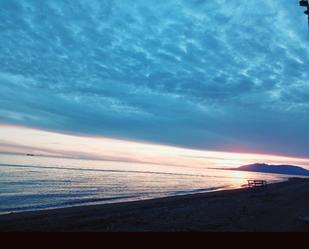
(278, 208)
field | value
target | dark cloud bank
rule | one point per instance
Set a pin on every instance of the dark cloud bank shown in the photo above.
(220, 75)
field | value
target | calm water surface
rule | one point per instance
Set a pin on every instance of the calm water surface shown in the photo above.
(33, 183)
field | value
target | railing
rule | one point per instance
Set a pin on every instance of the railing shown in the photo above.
(257, 183)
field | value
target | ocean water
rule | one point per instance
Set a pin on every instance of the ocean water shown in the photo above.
(34, 183)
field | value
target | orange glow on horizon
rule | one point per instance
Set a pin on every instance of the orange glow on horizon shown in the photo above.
(16, 139)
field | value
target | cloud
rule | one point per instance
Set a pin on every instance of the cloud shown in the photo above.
(223, 75)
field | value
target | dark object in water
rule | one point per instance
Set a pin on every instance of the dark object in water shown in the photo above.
(30, 155)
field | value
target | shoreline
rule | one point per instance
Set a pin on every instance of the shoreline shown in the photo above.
(139, 199)
(276, 208)
(84, 202)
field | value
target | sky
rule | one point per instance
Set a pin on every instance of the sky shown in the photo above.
(51, 144)
(217, 75)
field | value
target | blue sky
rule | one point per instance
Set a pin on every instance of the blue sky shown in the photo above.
(218, 75)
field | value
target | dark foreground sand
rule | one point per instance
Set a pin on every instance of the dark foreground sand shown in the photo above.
(276, 208)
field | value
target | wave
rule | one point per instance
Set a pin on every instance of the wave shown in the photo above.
(117, 171)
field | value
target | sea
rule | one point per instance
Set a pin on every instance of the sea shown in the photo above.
(29, 183)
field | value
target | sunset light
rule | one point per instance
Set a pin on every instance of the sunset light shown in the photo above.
(15, 139)
(165, 115)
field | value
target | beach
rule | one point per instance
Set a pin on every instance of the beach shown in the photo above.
(277, 208)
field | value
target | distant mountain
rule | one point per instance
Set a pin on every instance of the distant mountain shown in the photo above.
(274, 169)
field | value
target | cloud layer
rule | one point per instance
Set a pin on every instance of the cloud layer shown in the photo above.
(220, 75)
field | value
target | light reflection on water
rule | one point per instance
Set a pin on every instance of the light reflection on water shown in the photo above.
(31, 183)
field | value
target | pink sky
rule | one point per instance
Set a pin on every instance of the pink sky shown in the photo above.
(15, 139)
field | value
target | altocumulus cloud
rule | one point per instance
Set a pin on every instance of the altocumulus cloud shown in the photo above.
(220, 75)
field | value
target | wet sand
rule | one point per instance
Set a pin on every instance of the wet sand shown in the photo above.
(276, 208)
